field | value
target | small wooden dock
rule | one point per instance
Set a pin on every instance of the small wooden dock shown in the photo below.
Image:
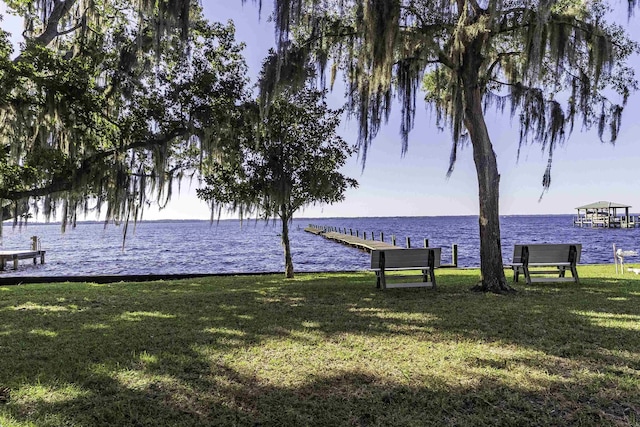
(34, 253)
(15, 256)
(368, 245)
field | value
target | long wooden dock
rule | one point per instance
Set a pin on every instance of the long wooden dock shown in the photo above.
(363, 243)
(351, 240)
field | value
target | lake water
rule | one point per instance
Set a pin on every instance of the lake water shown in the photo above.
(188, 247)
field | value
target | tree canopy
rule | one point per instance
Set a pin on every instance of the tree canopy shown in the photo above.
(285, 160)
(109, 102)
(549, 64)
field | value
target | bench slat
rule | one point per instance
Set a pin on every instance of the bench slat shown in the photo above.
(542, 264)
(554, 279)
(415, 258)
(409, 285)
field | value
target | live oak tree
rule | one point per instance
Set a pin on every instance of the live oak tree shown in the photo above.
(548, 63)
(286, 159)
(110, 102)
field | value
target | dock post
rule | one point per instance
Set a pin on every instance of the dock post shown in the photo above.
(351, 231)
(426, 243)
(373, 236)
(357, 233)
(34, 243)
(382, 236)
(393, 239)
(364, 235)
(408, 242)
(454, 254)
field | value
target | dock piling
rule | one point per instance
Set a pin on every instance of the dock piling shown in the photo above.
(408, 242)
(454, 255)
(426, 243)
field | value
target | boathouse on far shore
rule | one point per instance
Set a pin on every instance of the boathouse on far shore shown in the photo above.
(605, 214)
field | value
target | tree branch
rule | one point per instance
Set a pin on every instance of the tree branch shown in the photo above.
(66, 183)
(498, 59)
(60, 9)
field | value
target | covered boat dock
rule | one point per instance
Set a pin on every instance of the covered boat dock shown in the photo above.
(605, 214)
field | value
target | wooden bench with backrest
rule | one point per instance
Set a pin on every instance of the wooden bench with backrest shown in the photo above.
(553, 258)
(424, 259)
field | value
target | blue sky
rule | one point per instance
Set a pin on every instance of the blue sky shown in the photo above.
(585, 170)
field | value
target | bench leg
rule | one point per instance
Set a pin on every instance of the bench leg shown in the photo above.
(15, 262)
(561, 271)
(378, 280)
(433, 277)
(527, 275)
(42, 258)
(574, 273)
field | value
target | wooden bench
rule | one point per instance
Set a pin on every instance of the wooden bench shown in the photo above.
(553, 258)
(425, 259)
(18, 255)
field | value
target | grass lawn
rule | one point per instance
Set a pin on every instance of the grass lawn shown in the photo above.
(322, 349)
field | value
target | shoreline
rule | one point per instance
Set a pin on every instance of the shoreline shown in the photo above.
(115, 278)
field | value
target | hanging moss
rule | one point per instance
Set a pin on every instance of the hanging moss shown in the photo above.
(525, 48)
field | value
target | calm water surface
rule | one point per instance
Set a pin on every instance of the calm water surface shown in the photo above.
(180, 247)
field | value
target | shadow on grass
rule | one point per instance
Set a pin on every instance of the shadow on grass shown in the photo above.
(320, 350)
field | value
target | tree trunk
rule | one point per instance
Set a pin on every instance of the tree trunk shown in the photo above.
(288, 261)
(491, 268)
